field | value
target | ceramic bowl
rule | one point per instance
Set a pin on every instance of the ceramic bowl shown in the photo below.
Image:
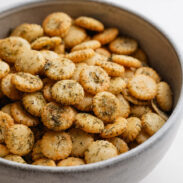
(134, 165)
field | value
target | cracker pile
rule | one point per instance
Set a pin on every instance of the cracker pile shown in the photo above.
(73, 92)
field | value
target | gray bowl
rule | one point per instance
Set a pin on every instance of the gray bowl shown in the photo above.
(134, 165)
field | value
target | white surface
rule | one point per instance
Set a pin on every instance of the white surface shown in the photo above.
(168, 14)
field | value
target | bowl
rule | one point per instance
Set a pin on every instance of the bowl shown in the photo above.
(134, 165)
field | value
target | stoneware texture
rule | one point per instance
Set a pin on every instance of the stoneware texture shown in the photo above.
(132, 166)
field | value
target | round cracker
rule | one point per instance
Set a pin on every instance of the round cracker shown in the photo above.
(94, 79)
(114, 129)
(57, 117)
(142, 87)
(6, 121)
(21, 116)
(59, 68)
(4, 69)
(89, 123)
(57, 24)
(30, 61)
(164, 96)
(80, 141)
(27, 82)
(44, 162)
(120, 144)
(100, 150)
(133, 128)
(19, 139)
(30, 32)
(123, 45)
(89, 23)
(9, 89)
(67, 92)
(106, 106)
(15, 158)
(152, 122)
(107, 36)
(56, 145)
(71, 161)
(11, 47)
(33, 103)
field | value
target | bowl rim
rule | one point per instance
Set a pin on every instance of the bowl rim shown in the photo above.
(133, 152)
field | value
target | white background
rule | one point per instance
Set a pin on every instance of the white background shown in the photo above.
(168, 14)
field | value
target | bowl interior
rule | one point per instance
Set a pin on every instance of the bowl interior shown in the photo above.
(161, 53)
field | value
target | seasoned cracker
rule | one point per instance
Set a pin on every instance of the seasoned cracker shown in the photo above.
(134, 126)
(148, 71)
(57, 24)
(37, 151)
(30, 32)
(89, 23)
(6, 109)
(106, 106)
(71, 161)
(44, 162)
(9, 89)
(164, 96)
(30, 61)
(49, 55)
(123, 45)
(94, 79)
(132, 99)
(77, 71)
(139, 110)
(19, 139)
(152, 122)
(47, 91)
(120, 144)
(142, 137)
(158, 111)
(89, 123)
(27, 82)
(100, 150)
(107, 36)
(4, 69)
(6, 121)
(129, 74)
(3, 150)
(33, 103)
(11, 47)
(46, 43)
(103, 51)
(142, 87)
(124, 106)
(96, 57)
(80, 55)
(86, 104)
(57, 117)
(15, 158)
(117, 84)
(126, 61)
(59, 68)
(67, 92)
(115, 129)
(80, 141)
(75, 36)
(111, 68)
(21, 116)
(140, 55)
(93, 44)
(60, 49)
(56, 145)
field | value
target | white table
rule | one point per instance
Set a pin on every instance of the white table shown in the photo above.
(168, 14)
